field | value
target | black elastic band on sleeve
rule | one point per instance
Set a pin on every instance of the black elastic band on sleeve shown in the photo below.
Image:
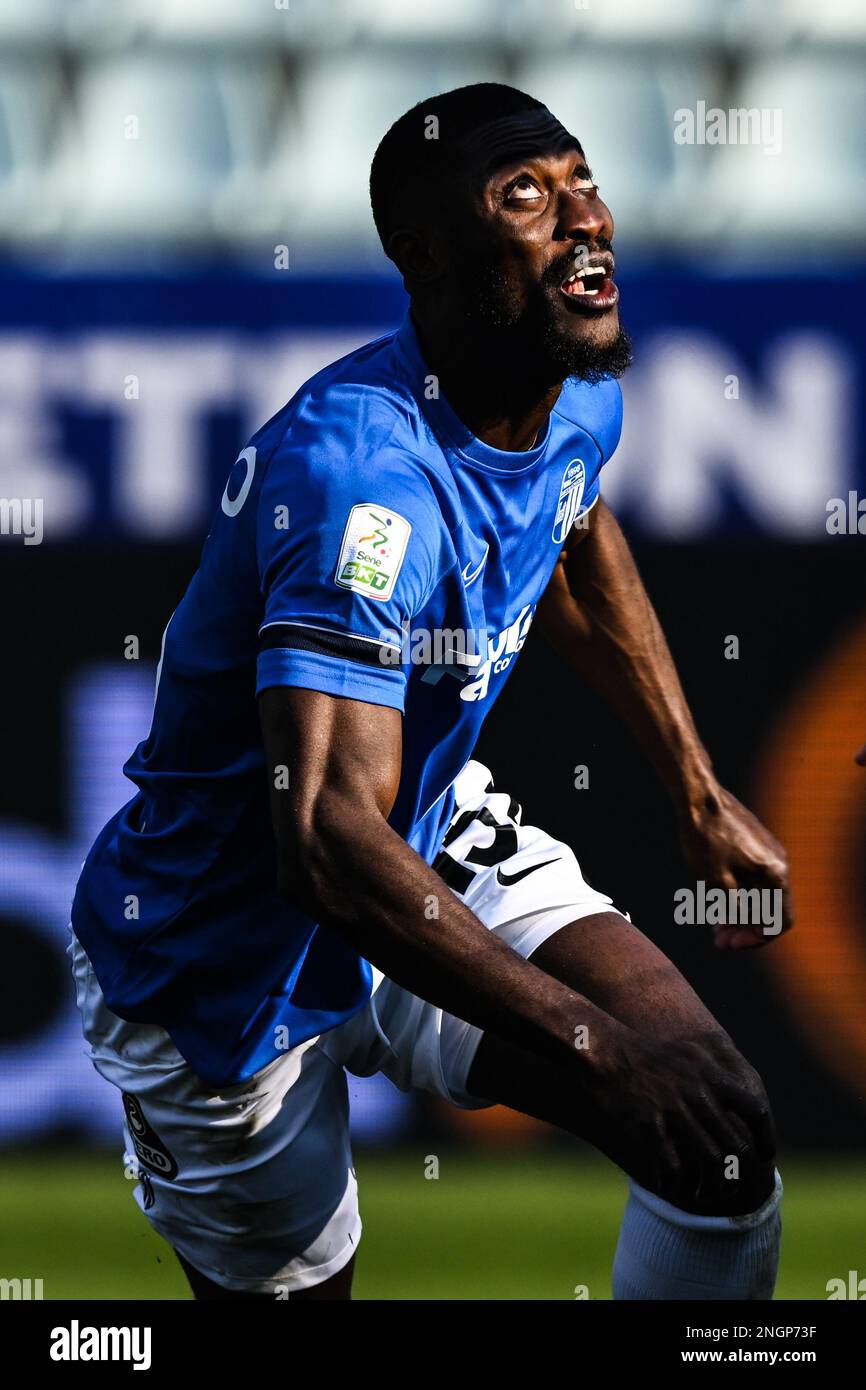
(328, 643)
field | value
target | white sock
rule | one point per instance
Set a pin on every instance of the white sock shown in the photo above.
(666, 1253)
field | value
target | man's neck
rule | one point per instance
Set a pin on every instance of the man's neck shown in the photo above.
(495, 398)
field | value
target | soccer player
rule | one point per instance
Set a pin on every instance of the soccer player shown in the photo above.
(314, 875)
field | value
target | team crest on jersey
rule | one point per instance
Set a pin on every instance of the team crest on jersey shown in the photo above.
(374, 544)
(570, 498)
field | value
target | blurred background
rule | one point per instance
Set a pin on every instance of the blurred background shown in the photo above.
(185, 237)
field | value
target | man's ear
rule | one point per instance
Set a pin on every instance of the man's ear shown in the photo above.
(416, 255)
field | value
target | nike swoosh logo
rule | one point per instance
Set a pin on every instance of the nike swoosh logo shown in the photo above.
(468, 578)
(507, 879)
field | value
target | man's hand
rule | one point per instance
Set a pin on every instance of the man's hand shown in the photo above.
(729, 848)
(678, 1109)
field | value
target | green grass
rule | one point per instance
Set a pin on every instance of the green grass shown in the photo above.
(528, 1226)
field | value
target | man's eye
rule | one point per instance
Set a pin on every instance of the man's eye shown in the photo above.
(522, 189)
(584, 185)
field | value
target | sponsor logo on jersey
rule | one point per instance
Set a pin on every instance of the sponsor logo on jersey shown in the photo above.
(374, 544)
(570, 498)
(501, 651)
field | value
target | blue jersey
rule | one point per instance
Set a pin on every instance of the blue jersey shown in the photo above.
(369, 546)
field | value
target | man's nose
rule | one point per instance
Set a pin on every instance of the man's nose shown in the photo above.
(580, 216)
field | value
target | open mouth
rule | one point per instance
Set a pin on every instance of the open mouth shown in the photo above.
(591, 287)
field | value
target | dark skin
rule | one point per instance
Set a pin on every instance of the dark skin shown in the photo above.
(660, 1088)
(597, 614)
(530, 216)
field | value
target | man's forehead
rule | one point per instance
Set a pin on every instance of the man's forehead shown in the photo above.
(508, 139)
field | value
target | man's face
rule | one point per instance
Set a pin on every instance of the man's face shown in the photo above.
(534, 261)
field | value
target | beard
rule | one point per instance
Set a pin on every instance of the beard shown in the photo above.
(530, 337)
(582, 358)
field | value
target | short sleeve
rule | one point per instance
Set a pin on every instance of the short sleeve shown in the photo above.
(592, 494)
(596, 409)
(349, 550)
(606, 427)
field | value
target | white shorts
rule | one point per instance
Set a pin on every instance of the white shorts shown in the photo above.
(253, 1184)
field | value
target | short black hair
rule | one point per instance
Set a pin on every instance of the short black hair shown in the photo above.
(410, 151)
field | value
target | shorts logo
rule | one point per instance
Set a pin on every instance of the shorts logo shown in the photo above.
(570, 498)
(374, 544)
(148, 1146)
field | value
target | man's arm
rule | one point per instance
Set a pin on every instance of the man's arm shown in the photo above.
(341, 863)
(597, 614)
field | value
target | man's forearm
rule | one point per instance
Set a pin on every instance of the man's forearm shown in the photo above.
(366, 883)
(597, 614)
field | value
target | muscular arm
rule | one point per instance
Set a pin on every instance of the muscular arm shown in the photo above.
(597, 614)
(341, 863)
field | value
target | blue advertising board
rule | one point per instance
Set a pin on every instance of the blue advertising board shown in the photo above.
(125, 399)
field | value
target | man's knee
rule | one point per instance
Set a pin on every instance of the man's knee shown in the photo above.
(739, 1182)
(737, 1187)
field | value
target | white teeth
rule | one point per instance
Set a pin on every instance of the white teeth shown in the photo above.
(581, 275)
